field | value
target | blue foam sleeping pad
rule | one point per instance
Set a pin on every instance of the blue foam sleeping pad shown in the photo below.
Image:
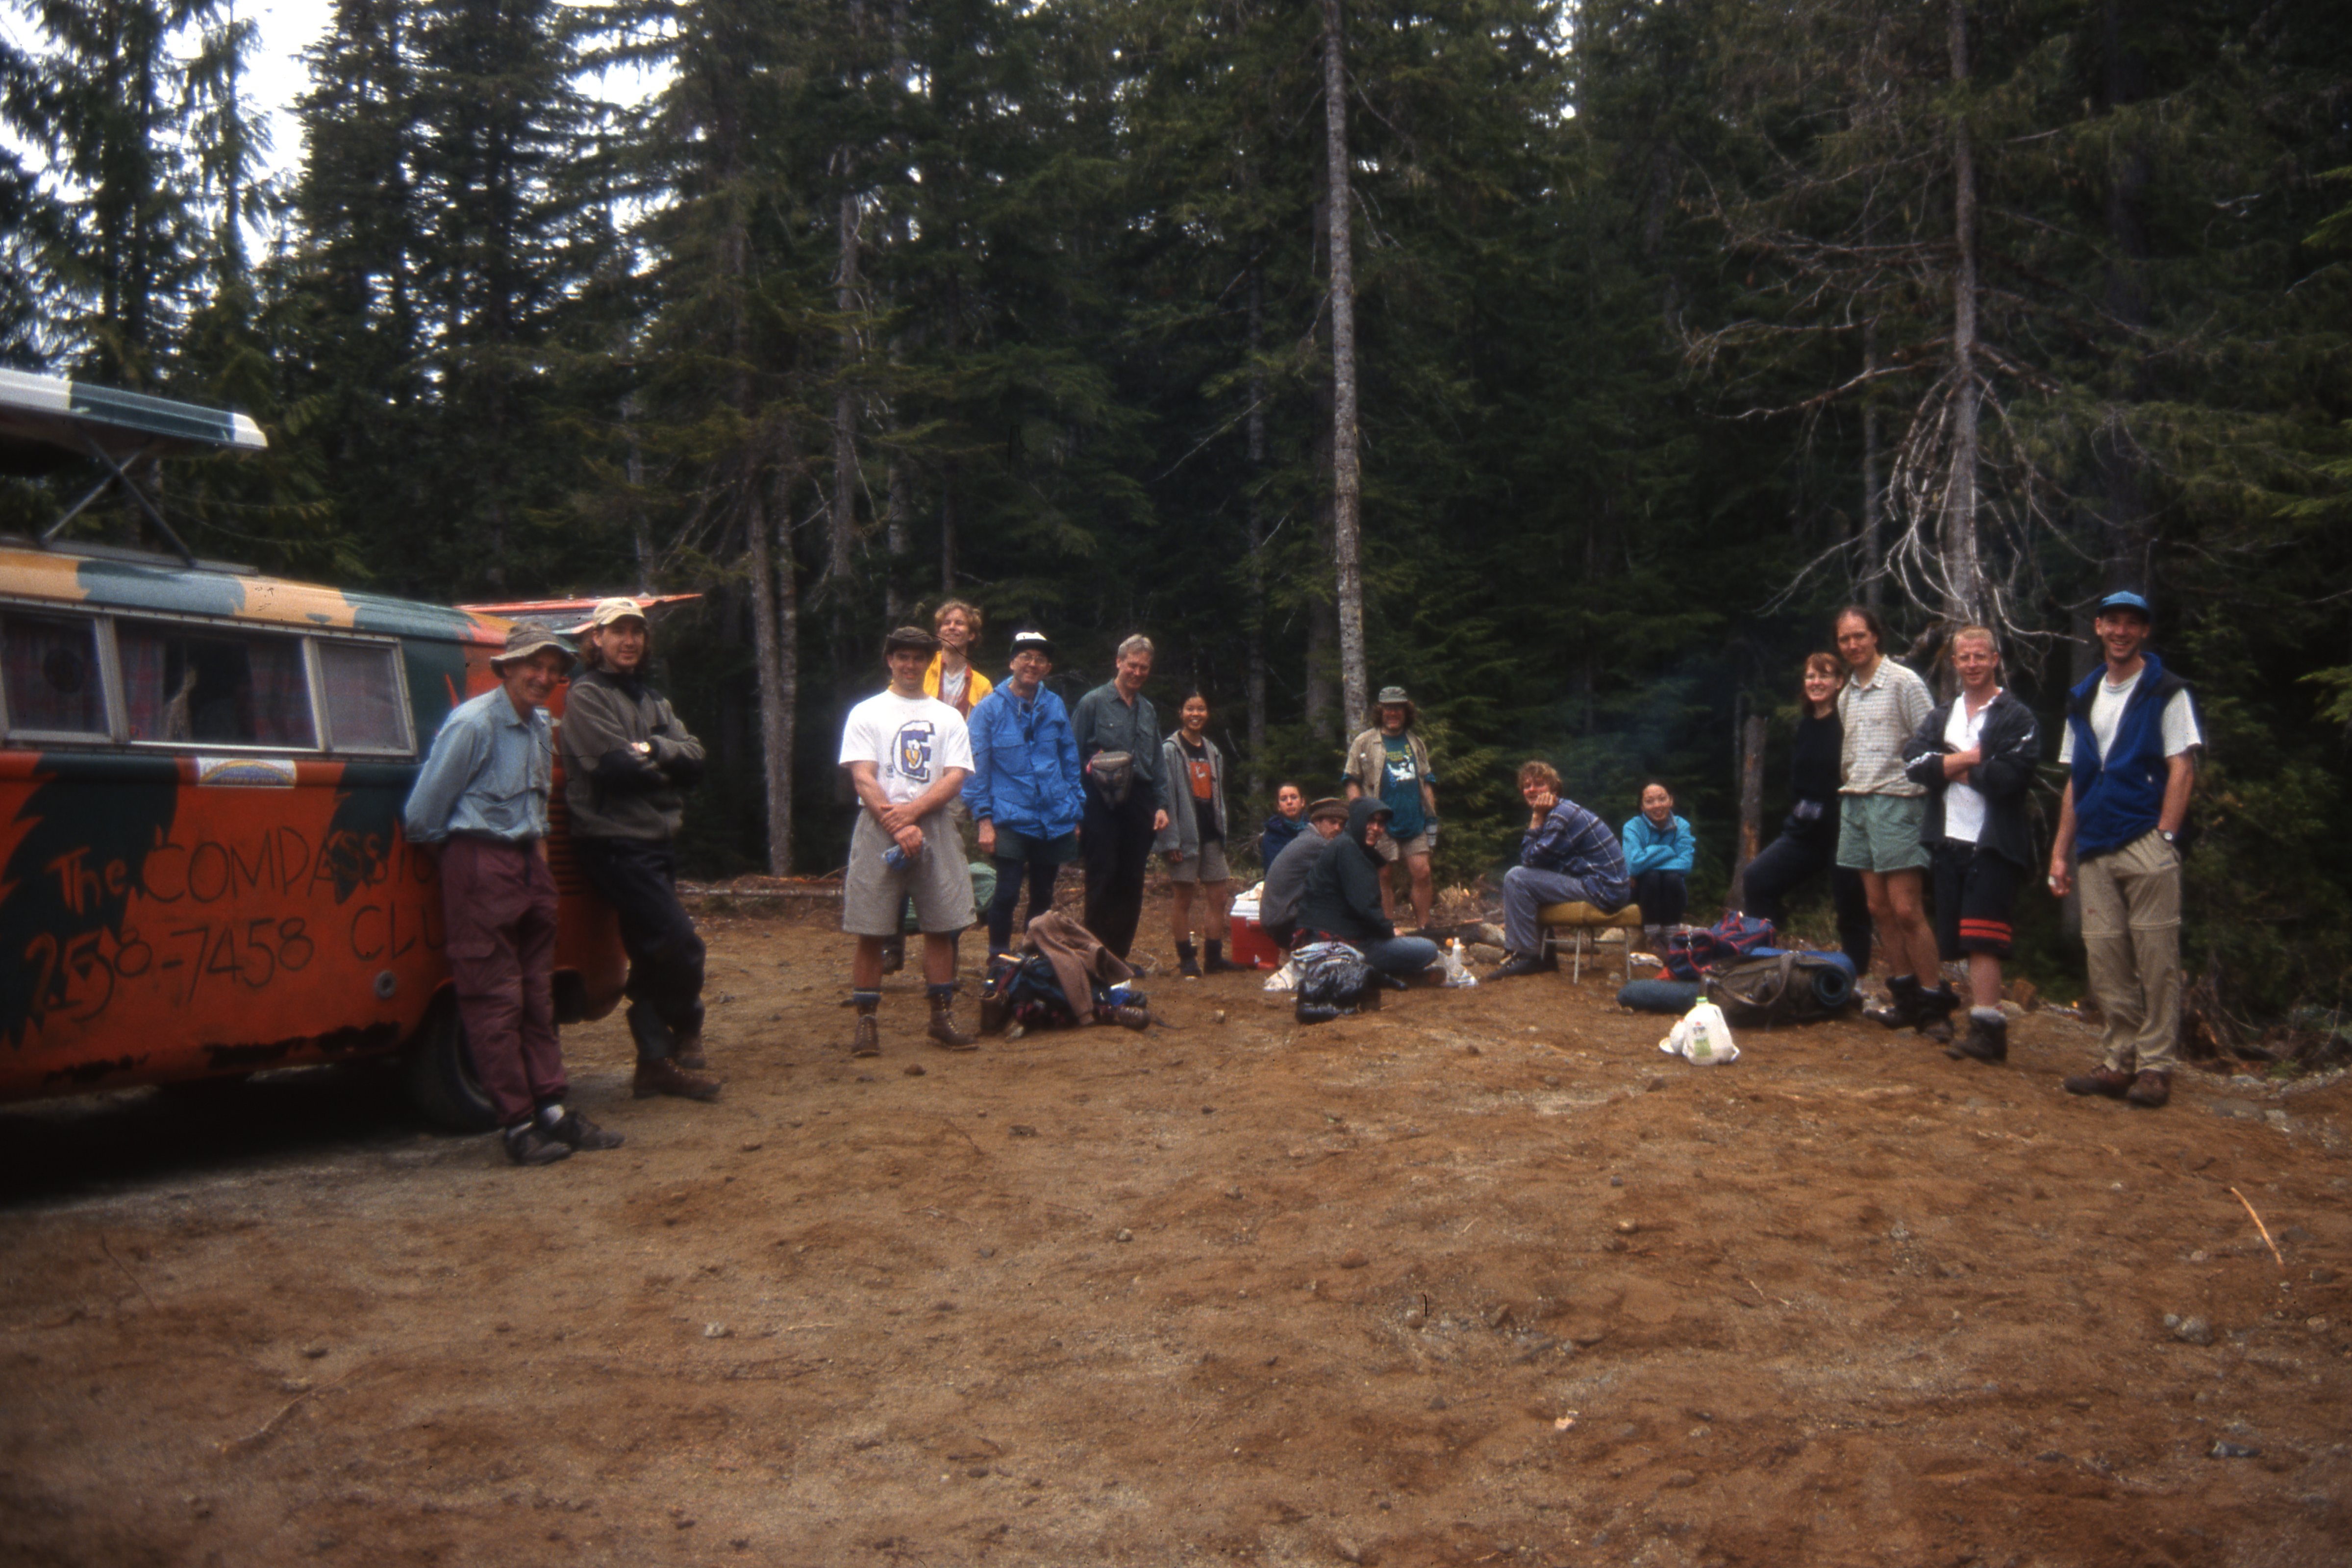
(1676, 997)
(1833, 984)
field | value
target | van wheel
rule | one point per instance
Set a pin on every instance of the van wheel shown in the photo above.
(439, 1072)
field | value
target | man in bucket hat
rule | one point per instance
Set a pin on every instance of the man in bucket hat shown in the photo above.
(1389, 763)
(481, 797)
(626, 762)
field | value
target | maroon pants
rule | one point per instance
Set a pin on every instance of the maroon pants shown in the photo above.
(499, 900)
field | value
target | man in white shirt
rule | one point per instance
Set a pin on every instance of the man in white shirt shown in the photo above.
(908, 755)
(2130, 750)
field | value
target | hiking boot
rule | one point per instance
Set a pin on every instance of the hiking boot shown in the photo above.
(575, 1130)
(532, 1144)
(1936, 1011)
(944, 1030)
(687, 1052)
(2111, 1082)
(1125, 1018)
(663, 1075)
(1514, 965)
(1218, 964)
(1188, 968)
(1986, 1039)
(867, 1040)
(2150, 1090)
(1903, 1007)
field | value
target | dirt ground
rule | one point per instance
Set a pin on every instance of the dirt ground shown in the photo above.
(1481, 1278)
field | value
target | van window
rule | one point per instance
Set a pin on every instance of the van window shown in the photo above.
(50, 667)
(361, 686)
(201, 686)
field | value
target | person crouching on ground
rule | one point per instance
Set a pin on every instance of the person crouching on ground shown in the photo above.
(626, 759)
(1567, 854)
(1389, 763)
(1286, 879)
(1660, 851)
(1282, 828)
(481, 795)
(1025, 789)
(908, 755)
(1342, 900)
(1976, 755)
(1193, 841)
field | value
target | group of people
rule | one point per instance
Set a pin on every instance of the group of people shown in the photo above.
(1894, 795)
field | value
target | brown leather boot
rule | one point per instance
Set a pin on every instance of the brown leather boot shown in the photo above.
(687, 1051)
(2149, 1091)
(867, 1040)
(2113, 1083)
(663, 1075)
(944, 1030)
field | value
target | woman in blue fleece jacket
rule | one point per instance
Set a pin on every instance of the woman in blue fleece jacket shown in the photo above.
(1660, 849)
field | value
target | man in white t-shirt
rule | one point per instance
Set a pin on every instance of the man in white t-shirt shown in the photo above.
(2130, 751)
(908, 755)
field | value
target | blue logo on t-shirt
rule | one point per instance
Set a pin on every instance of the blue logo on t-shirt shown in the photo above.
(914, 751)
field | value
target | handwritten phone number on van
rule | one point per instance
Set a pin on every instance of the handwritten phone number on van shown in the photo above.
(81, 973)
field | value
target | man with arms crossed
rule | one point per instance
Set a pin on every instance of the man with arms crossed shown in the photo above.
(2130, 748)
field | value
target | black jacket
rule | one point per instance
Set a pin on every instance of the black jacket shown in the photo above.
(2011, 742)
(1343, 891)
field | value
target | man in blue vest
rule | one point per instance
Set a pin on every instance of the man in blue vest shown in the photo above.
(2130, 752)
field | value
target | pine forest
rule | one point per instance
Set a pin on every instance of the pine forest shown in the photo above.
(1567, 364)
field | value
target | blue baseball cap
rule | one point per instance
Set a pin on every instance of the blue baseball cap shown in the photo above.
(2125, 599)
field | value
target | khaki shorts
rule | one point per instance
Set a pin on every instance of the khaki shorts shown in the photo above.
(937, 879)
(1881, 832)
(1208, 865)
(1421, 843)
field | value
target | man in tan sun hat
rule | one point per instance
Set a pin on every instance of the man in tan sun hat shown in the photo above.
(628, 762)
(481, 797)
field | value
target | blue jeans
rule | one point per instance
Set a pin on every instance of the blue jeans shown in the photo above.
(1403, 957)
(1527, 890)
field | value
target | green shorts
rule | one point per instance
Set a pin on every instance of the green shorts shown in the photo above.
(1881, 832)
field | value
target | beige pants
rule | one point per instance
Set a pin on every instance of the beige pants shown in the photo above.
(2131, 929)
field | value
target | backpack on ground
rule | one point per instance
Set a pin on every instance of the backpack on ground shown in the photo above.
(1782, 988)
(1695, 951)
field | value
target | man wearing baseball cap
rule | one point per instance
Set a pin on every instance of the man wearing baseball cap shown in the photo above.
(627, 761)
(1286, 879)
(481, 797)
(1025, 789)
(2130, 751)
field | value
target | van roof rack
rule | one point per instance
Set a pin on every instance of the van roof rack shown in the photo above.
(39, 414)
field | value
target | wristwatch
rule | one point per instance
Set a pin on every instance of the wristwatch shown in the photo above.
(2167, 835)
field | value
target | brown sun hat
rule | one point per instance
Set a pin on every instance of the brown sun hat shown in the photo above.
(525, 638)
(1329, 805)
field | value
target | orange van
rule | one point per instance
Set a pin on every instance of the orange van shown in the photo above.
(201, 870)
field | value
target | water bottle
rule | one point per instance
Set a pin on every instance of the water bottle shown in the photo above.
(894, 859)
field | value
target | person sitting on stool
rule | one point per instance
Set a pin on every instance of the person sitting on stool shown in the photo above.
(1567, 854)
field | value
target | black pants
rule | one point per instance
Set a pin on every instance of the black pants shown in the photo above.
(1039, 867)
(1802, 851)
(1663, 895)
(1115, 844)
(638, 877)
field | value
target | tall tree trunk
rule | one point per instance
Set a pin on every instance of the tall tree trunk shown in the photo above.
(1965, 593)
(841, 534)
(2126, 544)
(1751, 804)
(1873, 490)
(768, 649)
(1347, 543)
(1255, 426)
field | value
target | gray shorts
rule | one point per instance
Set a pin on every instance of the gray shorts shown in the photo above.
(1881, 832)
(1208, 865)
(937, 879)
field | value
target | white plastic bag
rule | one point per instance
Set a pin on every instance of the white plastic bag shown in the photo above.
(1703, 1038)
(1285, 978)
(1458, 973)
